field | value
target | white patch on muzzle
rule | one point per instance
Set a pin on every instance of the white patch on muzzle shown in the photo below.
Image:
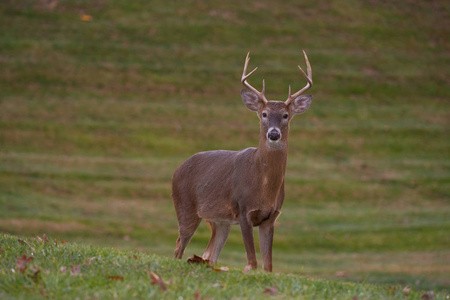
(270, 130)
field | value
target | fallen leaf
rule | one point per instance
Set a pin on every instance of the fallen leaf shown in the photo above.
(42, 292)
(22, 262)
(341, 274)
(135, 257)
(391, 289)
(116, 277)
(272, 291)
(35, 272)
(49, 4)
(156, 280)
(75, 270)
(44, 239)
(247, 269)
(197, 260)
(197, 295)
(89, 261)
(406, 290)
(23, 242)
(221, 269)
(86, 18)
(64, 242)
(428, 296)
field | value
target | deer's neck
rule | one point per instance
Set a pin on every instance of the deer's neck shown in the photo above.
(272, 159)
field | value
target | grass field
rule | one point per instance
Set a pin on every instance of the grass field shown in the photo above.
(101, 100)
(44, 268)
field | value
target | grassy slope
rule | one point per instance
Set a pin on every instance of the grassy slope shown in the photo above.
(95, 116)
(72, 271)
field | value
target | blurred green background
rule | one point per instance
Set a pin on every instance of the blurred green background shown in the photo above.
(101, 100)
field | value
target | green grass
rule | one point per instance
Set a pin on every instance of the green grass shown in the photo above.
(96, 115)
(50, 269)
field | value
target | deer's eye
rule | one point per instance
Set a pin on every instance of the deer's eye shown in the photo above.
(285, 116)
(264, 115)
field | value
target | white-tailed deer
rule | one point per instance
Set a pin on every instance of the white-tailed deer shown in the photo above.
(240, 187)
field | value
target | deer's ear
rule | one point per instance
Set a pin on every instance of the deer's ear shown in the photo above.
(251, 100)
(300, 104)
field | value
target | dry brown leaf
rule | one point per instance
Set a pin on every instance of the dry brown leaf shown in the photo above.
(116, 277)
(35, 273)
(406, 290)
(272, 291)
(89, 261)
(428, 296)
(156, 280)
(22, 262)
(86, 18)
(23, 242)
(42, 239)
(341, 274)
(247, 269)
(197, 260)
(221, 269)
(197, 295)
(75, 270)
(391, 289)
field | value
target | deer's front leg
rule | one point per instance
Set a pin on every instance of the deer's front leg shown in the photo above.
(265, 244)
(266, 230)
(249, 243)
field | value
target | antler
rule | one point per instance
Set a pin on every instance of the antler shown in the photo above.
(247, 85)
(307, 86)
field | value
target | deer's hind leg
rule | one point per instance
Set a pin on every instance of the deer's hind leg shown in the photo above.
(185, 233)
(219, 235)
(188, 221)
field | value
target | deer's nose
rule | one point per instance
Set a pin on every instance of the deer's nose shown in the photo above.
(274, 135)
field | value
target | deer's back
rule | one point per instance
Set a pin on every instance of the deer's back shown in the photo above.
(206, 181)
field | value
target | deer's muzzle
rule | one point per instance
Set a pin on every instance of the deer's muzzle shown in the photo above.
(273, 134)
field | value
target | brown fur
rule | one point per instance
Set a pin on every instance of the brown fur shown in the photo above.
(239, 187)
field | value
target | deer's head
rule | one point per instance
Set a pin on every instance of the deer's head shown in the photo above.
(275, 115)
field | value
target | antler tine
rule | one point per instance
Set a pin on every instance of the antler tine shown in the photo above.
(308, 78)
(247, 85)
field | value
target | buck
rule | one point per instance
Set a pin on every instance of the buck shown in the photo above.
(240, 187)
